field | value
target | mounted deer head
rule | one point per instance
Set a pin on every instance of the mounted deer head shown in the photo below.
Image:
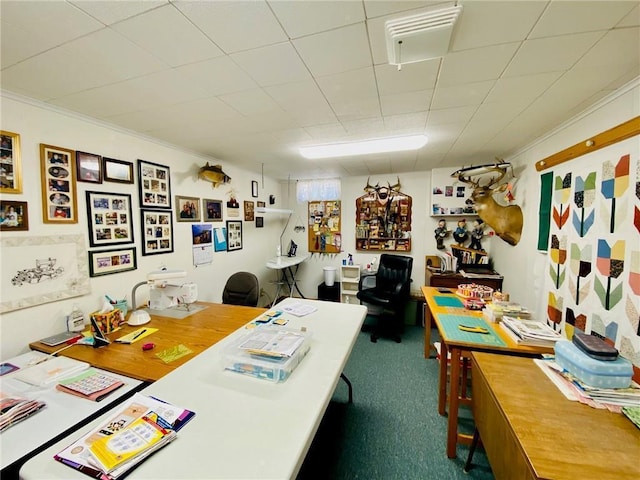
(506, 221)
(381, 192)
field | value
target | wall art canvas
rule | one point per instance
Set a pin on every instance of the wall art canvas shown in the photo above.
(42, 269)
(593, 273)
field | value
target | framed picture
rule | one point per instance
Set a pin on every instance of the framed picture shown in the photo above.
(157, 232)
(254, 189)
(110, 219)
(106, 262)
(117, 171)
(42, 269)
(154, 186)
(10, 166)
(89, 167)
(248, 211)
(259, 222)
(14, 216)
(234, 235)
(187, 209)
(211, 210)
(58, 175)
(260, 204)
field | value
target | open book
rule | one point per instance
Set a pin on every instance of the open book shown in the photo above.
(140, 426)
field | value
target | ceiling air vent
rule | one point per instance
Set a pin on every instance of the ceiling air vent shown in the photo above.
(420, 37)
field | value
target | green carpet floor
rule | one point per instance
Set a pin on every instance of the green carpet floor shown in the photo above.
(393, 429)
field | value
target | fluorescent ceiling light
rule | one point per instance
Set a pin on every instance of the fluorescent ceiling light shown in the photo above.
(378, 145)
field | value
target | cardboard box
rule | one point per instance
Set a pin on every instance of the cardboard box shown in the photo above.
(109, 321)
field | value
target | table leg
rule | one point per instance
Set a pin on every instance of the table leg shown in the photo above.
(427, 331)
(452, 421)
(294, 282)
(442, 392)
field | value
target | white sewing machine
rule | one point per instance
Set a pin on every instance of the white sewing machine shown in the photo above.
(166, 292)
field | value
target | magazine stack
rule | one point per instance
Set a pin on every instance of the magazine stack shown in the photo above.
(530, 332)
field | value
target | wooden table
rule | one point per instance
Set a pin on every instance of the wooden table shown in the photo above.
(197, 332)
(459, 350)
(531, 431)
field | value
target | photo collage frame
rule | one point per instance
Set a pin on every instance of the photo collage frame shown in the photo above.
(110, 218)
(58, 175)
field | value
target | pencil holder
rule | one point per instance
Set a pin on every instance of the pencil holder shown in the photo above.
(108, 321)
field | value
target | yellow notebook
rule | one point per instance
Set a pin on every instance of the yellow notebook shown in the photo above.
(136, 335)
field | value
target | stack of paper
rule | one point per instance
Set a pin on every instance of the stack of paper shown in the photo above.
(142, 426)
(494, 311)
(15, 408)
(530, 332)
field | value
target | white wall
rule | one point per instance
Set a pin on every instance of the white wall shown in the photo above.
(523, 266)
(36, 125)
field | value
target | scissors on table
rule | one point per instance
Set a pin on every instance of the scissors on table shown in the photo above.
(475, 329)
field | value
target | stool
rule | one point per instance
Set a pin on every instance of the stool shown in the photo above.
(331, 294)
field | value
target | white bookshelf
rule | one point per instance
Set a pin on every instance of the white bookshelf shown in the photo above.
(349, 280)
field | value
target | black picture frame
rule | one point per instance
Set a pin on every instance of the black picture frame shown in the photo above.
(117, 171)
(234, 235)
(154, 185)
(254, 189)
(157, 231)
(88, 167)
(259, 222)
(107, 262)
(110, 218)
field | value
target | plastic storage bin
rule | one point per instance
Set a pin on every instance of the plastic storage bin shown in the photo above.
(274, 369)
(596, 373)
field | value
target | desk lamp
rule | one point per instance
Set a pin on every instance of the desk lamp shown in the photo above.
(277, 210)
(162, 294)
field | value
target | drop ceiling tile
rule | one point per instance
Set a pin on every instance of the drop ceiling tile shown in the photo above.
(521, 89)
(272, 65)
(363, 128)
(110, 12)
(306, 18)
(18, 43)
(445, 116)
(413, 77)
(410, 123)
(234, 26)
(461, 95)
(405, 102)
(492, 23)
(347, 85)
(631, 20)
(156, 31)
(551, 54)
(335, 51)
(304, 101)
(357, 108)
(219, 76)
(328, 133)
(617, 47)
(378, 8)
(250, 102)
(561, 18)
(486, 63)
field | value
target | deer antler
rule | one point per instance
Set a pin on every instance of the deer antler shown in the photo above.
(369, 187)
(501, 173)
(396, 187)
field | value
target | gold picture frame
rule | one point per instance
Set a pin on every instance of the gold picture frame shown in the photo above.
(10, 163)
(58, 175)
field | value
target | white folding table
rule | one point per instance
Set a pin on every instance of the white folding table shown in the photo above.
(287, 269)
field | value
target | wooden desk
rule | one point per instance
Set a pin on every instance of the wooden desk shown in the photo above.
(244, 428)
(196, 332)
(531, 431)
(458, 350)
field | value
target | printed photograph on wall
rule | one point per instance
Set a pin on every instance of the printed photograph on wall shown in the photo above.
(117, 171)
(106, 262)
(14, 216)
(248, 211)
(109, 218)
(211, 210)
(58, 177)
(154, 185)
(157, 232)
(42, 269)
(10, 166)
(89, 167)
(234, 235)
(187, 209)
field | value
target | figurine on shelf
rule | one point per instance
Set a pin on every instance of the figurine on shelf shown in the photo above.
(476, 235)
(441, 232)
(460, 234)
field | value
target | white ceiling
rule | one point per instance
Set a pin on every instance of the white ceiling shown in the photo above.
(248, 82)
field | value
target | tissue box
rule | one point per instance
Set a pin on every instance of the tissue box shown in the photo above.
(107, 321)
(596, 373)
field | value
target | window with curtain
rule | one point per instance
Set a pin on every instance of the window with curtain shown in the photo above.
(323, 189)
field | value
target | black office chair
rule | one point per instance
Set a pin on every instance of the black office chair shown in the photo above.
(242, 288)
(391, 292)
